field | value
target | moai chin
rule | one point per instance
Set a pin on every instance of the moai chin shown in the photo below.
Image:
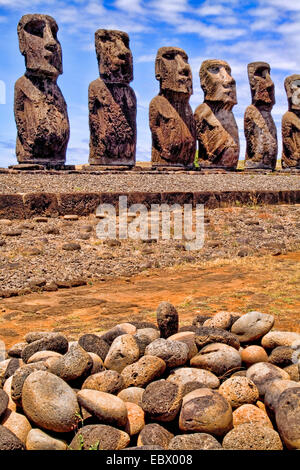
(216, 128)
(259, 127)
(40, 110)
(112, 102)
(291, 124)
(170, 114)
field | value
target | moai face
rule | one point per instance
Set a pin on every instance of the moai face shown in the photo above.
(114, 56)
(39, 44)
(292, 88)
(173, 71)
(261, 84)
(217, 83)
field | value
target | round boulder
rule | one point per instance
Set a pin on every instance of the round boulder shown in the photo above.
(20, 376)
(173, 353)
(161, 400)
(49, 342)
(9, 441)
(253, 354)
(205, 411)
(223, 320)
(74, 364)
(108, 381)
(49, 402)
(250, 414)
(17, 423)
(99, 437)
(284, 356)
(132, 395)
(135, 419)
(123, 351)
(263, 373)
(273, 339)
(4, 399)
(239, 391)
(218, 358)
(145, 370)
(252, 326)
(196, 441)
(144, 337)
(108, 408)
(154, 434)
(39, 440)
(190, 375)
(92, 343)
(207, 335)
(167, 319)
(288, 417)
(187, 337)
(252, 436)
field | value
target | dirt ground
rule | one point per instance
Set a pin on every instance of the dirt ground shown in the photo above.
(268, 283)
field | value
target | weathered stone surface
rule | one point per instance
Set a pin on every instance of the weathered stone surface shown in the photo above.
(40, 109)
(253, 354)
(252, 436)
(248, 413)
(20, 376)
(143, 371)
(132, 395)
(252, 326)
(51, 342)
(275, 389)
(208, 335)
(259, 127)
(189, 377)
(49, 402)
(135, 419)
(7, 389)
(39, 440)
(112, 102)
(108, 408)
(205, 410)
(167, 319)
(74, 364)
(288, 417)
(291, 124)
(223, 320)
(284, 356)
(154, 434)
(108, 381)
(218, 358)
(263, 373)
(42, 356)
(239, 391)
(273, 339)
(216, 128)
(174, 353)
(187, 337)
(17, 423)
(144, 337)
(97, 365)
(161, 400)
(16, 350)
(92, 343)
(196, 441)
(170, 114)
(293, 371)
(9, 441)
(123, 351)
(101, 436)
(118, 330)
(3, 402)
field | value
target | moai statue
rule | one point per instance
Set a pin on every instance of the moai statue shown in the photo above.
(170, 114)
(259, 127)
(291, 124)
(112, 102)
(216, 128)
(40, 109)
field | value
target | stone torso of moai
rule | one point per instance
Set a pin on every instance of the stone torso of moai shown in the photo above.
(291, 124)
(259, 127)
(112, 102)
(40, 110)
(170, 114)
(216, 128)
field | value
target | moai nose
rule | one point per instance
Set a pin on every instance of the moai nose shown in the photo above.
(50, 42)
(183, 67)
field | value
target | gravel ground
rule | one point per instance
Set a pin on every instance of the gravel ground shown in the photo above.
(33, 254)
(83, 182)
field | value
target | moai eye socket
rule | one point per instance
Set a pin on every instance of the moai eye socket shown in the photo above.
(35, 27)
(54, 32)
(261, 72)
(214, 69)
(169, 56)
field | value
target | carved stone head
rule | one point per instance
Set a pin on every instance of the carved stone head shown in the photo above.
(39, 45)
(217, 83)
(114, 56)
(261, 84)
(292, 88)
(173, 70)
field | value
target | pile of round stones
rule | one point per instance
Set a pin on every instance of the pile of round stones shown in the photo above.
(225, 382)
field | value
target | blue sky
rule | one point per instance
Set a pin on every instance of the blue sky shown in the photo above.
(236, 31)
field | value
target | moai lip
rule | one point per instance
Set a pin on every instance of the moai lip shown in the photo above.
(40, 109)
(216, 128)
(170, 114)
(291, 125)
(259, 127)
(112, 102)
